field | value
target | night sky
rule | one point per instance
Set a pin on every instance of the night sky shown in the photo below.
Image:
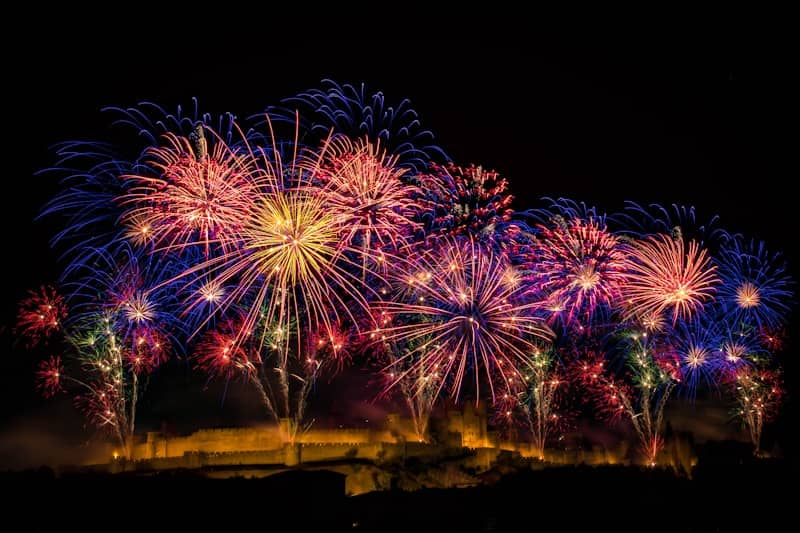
(650, 119)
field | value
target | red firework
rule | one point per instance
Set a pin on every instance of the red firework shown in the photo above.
(221, 353)
(576, 267)
(49, 376)
(332, 344)
(40, 315)
(669, 362)
(666, 276)
(610, 396)
(772, 338)
(149, 351)
(470, 201)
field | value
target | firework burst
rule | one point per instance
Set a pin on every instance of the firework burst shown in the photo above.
(458, 296)
(278, 256)
(362, 182)
(471, 201)
(755, 289)
(577, 267)
(679, 221)
(219, 354)
(666, 275)
(128, 289)
(739, 348)
(40, 315)
(696, 344)
(194, 197)
(292, 261)
(352, 111)
(561, 210)
(293, 276)
(49, 377)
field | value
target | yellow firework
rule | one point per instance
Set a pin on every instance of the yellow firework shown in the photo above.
(747, 295)
(292, 266)
(291, 237)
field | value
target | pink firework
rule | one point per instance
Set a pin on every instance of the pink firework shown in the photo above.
(40, 315)
(578, 266)
(49, 377)
(666, 276)
(150, 350)
(457, 311)
(195, 197)
(610, 396)
(292, 257)
(361, 181)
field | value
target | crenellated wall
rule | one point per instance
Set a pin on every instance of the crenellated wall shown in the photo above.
(272, 438)
(357, 452)
(276, 445)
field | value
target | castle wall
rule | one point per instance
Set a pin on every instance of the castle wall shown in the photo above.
(314, 444)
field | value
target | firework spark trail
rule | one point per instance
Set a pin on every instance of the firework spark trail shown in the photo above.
(417, 388)
(120, 331)
(640, 395)
(758, 393)
(537, 399)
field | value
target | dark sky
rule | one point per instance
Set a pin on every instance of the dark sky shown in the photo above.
(707, 121)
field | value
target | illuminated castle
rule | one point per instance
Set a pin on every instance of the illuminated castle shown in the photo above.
(460, 430)
(459, 448)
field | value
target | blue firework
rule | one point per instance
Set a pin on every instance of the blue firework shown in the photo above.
(560, 210)
(131, 288)
(677, 220)
(150, 121)
(86, 205)
(738, 346)
(756, 288)
(354, 111)
(698, 344)
(92, 178)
